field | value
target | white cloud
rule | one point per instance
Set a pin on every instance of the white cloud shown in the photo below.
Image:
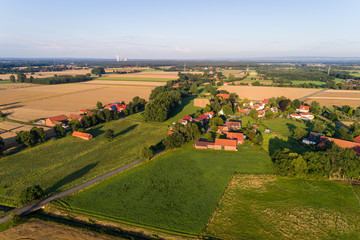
(183, 50)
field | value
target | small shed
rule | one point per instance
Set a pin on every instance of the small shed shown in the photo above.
(85, 136)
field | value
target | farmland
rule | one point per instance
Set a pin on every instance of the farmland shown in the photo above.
(43, 101)
(50, 74)
(331, 98)
(270, 207)
(145, 76)
(259, 93)
(63, 163)
(177, 191)
(46, 230)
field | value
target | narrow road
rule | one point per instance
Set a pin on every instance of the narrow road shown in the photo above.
(310, 95)
(27, 209)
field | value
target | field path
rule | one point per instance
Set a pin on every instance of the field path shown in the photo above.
(27, 209)
(312, 94)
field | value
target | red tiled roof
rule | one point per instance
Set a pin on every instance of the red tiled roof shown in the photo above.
(306, 114)
(74, 116)
(357, 139)
(187, 118)
(170, 132)
(226, 142)
(304, 107)
(82, 135)
(295, 115)
(233, 135)
(343, 143)
(58, 118)
(209, 113)
(203, 116)
(223, 95)
(84, 111)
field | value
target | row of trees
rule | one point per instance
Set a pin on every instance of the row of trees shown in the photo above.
(22, 78)
(32, 137)
(96, 117)
(335, 162)
(182, 134)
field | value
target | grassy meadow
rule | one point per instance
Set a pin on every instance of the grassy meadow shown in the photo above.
(63, 163)
(186, 108)
(139, 79)
(177, 191)
(270, 207)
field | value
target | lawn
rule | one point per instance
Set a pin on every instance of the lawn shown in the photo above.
(140, 79)
(186, 108)
(4, 81)
(61, 164)
(270, 207)
(177, 191)
(313, 82)
(283, 125)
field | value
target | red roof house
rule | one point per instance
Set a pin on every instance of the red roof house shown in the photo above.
(224, 144)
(239, 137)
(342, 143)
(303, 109)
(223, 95)
(52, 121)
(188, 118)
(85, 136)
(357, 139)
(222, 129)
(75, 117)
(233, 125)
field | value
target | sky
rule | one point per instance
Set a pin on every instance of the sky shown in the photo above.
(183, 29)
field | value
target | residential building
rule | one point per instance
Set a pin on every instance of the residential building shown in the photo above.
(233, 126)
(303, 109)
(306, 116)
(52, 121)
(239, 137)
(295, 115)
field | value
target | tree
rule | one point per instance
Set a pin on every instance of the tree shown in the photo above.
(98, 71)
(39, 134)
(12, 78)
(109, 134)
(26, 138)
(147, 153)
(333, 116)
(319, 127)
(21, 77)
(299, 166)
(269, 114)
(59, 130)
(315, 107)
(228, 110)
(296, 104)
(99, 105)
(345, 108)
(217, 121)
(254, 114)
(30, 194)
(2, 115)
(194, 89)
(299, 133)
(2, 144)
(284, 103)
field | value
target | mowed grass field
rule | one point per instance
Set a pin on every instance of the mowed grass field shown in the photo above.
(137, 79)
(186, 108)
(270, 207)
(177, 191)
(64, 163)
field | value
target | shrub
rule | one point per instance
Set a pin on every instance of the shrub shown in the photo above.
(109, 134)
(30, 194)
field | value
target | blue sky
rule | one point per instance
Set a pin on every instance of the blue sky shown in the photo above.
(179, 29)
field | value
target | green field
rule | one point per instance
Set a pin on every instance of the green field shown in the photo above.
(139, 79)
(186, 108)
(60, 164)
(270, 207)
(177, 191)
(283, 125)
(355, 73)
(4, 81)
(313, 82)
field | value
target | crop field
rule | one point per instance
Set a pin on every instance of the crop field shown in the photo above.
(63, 163)
(259, 93)
(177, 191)
(270, 207)
(165, 76)
(332, 98)
(50, 74)
(42, 101)
(36, 229)
(308, 82)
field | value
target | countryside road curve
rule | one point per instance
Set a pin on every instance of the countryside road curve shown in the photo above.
(27, 209)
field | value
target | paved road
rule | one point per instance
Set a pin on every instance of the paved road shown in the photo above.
(27, 209)
(310, 95)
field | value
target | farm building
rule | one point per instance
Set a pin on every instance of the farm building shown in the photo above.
(223, 95)
(200, 144)
(239, 137)
(222, 129)
(303, 109)
(115, 107)
(85, 136)
(313, 138)
(233, 126)
(52, 121)
(357, 139)
(341, 143)
(75, 117)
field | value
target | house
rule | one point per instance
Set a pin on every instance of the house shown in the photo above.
(75, 117)
(341, 143)
(226, 83)
(306, 116)
(176, 85)
(209, 114)
(233, 126)
(248, 103)
(295, 115)
(259, 106)
(267, 130)
(261, 113)
(274, 109)
(223, 95)
(182, 121)
(239, 137)
(265, 101)
(119, 107)
(357, 139)
(313, 138)
(303, 109)
(224, 144)
(200, 120)
(203, 116)
(201, 144)
(170, 132)
(52, 121)
(244, 111)
(85, 136)
(187, 118)
(222, 129)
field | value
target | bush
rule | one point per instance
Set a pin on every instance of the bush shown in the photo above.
(147, 153)
(30, 194)
(59, 130)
